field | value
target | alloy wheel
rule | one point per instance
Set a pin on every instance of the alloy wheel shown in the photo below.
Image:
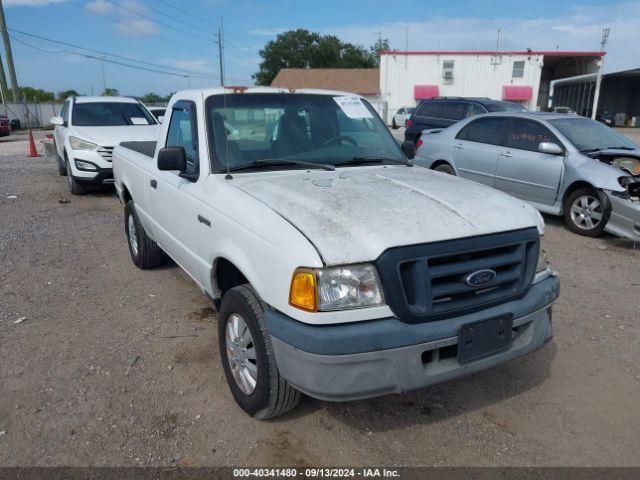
(241, 354)
(586, 212)
(133, 239)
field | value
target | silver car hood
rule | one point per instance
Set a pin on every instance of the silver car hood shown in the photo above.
(354, 214)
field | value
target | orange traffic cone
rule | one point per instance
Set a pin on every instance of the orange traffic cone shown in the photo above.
(32, 146)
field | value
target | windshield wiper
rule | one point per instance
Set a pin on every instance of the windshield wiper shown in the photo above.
(600, 149)
(619, 147)
(269, 162)
(361, 159)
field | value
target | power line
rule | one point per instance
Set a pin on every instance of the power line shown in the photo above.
(159, 12)
(103, 59)
(187, 13)
(133, 27)
(102, 52)
(135, 12)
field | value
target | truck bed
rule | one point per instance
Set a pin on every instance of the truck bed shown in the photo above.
(147, 148)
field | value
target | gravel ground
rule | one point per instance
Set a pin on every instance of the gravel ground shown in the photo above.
(117, 366)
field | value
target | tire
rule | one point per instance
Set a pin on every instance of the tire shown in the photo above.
(271, 395)
(586, 212)
(445, 168)
(393, 124)
(145, 253)
(62, 168)
(75, 187)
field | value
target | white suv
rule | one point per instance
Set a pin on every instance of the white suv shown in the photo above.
(87, 130)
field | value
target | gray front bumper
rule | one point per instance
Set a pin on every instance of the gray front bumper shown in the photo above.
(625, 218)
(353, 376)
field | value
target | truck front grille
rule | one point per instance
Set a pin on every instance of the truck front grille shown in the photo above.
(429, 282)
(106, 153)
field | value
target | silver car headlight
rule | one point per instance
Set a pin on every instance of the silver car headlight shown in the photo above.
(79, 144)
(336, 288)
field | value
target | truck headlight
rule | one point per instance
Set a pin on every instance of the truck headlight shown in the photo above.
(543, 269)
(79, 144)
(336, 288)
(543, 263)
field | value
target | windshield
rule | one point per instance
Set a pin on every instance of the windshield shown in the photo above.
(110, 114)
(588, 135)
(247, 129)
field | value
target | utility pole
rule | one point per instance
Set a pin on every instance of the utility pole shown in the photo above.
(596, 95)
(220, 57)
(406, 44)
(7, 49)
(104, 78)
(3, 80)
(379, 40)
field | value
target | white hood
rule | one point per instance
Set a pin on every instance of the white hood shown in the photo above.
(112, 136)
(354, 214)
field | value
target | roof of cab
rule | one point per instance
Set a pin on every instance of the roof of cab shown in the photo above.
(105, 99)
(207, 92)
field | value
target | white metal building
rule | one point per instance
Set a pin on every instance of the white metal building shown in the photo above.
(520, 76)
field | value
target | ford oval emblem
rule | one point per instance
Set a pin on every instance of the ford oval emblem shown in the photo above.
(480, 278)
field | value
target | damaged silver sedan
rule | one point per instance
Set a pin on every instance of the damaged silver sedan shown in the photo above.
(562, 164)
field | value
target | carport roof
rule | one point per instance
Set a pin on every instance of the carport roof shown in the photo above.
(546, 53)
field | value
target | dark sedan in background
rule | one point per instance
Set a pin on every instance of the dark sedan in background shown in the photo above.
(444, 111)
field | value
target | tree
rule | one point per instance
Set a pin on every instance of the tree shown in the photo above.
(30, 93)
(110, 92)
(149, 98)
(304, 49)
(63, 95)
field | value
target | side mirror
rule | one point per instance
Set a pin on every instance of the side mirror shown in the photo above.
(160, 118)
(172, 158)
(550, 148)
(409, 149)
(56, 121)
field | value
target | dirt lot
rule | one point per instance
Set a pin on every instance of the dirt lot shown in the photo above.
(118, 366)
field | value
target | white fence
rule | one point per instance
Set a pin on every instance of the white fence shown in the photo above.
(31, 114)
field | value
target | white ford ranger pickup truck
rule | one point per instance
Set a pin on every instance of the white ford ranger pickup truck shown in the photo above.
(339, 269)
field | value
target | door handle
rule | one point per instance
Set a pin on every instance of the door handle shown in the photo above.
(203, 220)
(153, 183)
(458, 146)
(506, 154)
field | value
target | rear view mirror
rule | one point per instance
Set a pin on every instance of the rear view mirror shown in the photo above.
(550, 148)
(56, 121)
(172, 158)
(409, 149)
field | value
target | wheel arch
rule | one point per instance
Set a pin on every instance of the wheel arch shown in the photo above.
(126, 195)
(572, 188)
(437, 163)
(225, 275)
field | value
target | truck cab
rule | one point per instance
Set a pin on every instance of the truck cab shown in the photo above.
(339, 269)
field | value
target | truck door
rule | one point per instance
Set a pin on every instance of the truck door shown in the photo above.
(172, 197)
(523, 171)
(476, 148)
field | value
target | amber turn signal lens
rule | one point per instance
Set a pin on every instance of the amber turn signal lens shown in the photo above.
(303, 291)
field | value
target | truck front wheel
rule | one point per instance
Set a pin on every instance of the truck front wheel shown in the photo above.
(145, 253)
(247, 357)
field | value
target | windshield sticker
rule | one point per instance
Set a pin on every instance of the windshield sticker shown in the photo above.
(139, 121)
(353, 107)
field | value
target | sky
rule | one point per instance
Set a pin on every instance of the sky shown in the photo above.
(178, 36)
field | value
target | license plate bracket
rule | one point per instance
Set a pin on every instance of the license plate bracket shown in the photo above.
(480, 339)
